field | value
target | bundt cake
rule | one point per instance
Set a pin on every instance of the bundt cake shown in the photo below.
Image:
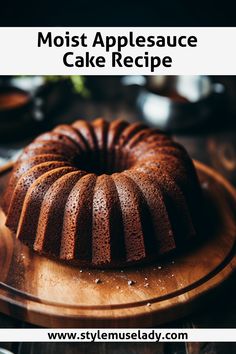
(103, 194)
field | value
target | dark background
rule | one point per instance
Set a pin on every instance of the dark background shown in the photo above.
(118, 13)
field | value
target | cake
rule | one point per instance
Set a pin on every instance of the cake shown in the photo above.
(103, 194)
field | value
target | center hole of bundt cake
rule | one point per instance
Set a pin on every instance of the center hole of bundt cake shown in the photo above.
(103, 161)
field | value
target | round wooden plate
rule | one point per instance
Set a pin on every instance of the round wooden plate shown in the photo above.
(51, 294)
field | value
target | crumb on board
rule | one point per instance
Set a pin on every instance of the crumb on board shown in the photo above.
(205, 185)
(131, 282)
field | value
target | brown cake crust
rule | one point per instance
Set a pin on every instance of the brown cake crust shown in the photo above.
(103, 194)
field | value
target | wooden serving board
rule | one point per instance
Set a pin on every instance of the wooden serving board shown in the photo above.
(51, 294)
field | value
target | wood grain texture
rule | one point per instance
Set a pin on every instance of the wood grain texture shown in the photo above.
(47, 293)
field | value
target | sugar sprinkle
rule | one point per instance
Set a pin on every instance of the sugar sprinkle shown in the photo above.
(131, 282)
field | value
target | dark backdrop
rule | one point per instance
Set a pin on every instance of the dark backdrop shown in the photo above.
(117, 13)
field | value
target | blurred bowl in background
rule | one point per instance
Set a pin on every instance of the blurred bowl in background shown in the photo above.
(176, 103)
(29, 104)
(15, 110)
(13, 100)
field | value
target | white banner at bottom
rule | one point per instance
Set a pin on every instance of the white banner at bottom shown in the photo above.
(118, 335)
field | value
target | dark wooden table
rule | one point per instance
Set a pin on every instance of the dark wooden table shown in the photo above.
(214, 145)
